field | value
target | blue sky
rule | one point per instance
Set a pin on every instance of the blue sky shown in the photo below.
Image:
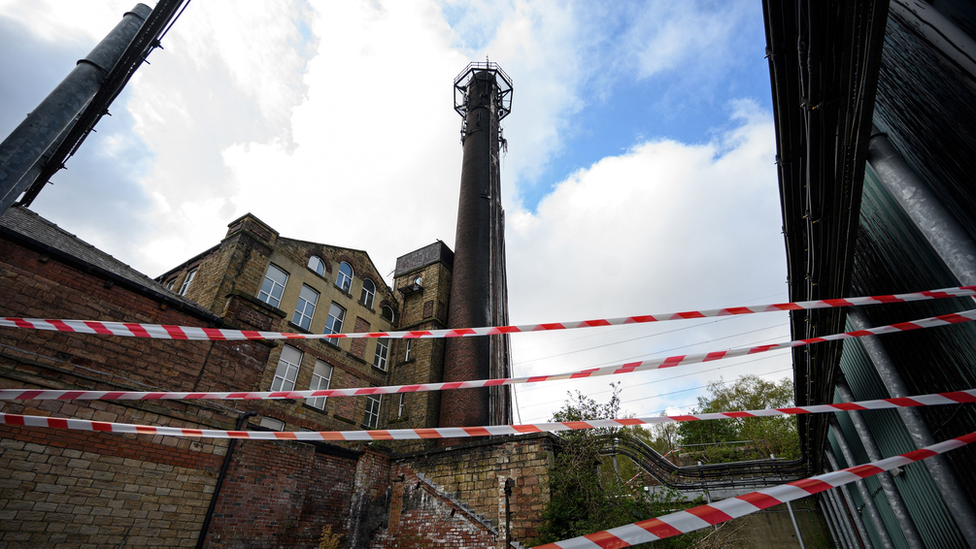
(639, 177)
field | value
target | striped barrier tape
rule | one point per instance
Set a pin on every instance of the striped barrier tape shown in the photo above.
(189, 333)
(957, 397)
(650, 364)
(711, 514)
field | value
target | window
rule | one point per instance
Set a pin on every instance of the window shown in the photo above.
(387, 313)
(170, 284)
(287, 372)
(317, 265)
(187, 281)
(305, 308)
(274, 286)
(369, 290)
(334, 323)
(272, 424)
(406, 356)
(372, 417)
(321, 378)
(344, 277)
(400, 406)
(382, 352)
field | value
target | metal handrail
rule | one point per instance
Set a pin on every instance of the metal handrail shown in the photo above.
(713, 475)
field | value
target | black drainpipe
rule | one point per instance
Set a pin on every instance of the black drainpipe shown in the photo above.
(220, 479)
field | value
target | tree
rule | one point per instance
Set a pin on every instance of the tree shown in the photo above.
(586, 493)
(767, 435)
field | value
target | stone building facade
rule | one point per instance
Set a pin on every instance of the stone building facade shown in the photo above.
(61, 488)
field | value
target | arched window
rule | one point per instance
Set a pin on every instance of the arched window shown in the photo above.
(344, 277)
(369, 290)
(387, 313)
(316, 265)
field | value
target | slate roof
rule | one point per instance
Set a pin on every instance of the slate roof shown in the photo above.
(21, 224)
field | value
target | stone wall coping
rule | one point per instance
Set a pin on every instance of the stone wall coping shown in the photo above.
(489, 441)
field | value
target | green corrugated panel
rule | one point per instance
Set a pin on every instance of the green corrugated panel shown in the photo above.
(891, 257)
(915, 485)
(883, 509)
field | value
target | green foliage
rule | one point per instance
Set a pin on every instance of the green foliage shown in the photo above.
(768, 435)
(588, 493)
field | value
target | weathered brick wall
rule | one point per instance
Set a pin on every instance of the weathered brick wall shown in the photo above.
(474, 472)
(358, 346)
(70, 488)
(281, 494)
(421, 517)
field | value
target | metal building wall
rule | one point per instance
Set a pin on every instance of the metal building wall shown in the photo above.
(891, 256)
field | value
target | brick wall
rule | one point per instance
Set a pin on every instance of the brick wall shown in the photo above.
(281, 494)
(358, 346)
(422, 517)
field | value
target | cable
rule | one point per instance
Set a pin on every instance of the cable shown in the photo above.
(755, 342)
(628, 340)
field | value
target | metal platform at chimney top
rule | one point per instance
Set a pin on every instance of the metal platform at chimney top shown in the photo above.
(503, 81)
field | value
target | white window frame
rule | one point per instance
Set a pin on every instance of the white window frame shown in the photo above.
(187, 280)
(366, 296)
(344, 279)
(268, 296)
(288, 367)
(392, 318)
(406, 356)
(305, 309)
(272, 423)
(333, 320)
(400, 406)
(382, 355)
(321, 379)
(316, 265)
(371, 416)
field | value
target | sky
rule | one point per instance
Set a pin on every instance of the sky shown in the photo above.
(639, 176)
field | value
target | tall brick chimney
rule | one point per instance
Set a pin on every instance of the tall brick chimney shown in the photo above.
(479, 291)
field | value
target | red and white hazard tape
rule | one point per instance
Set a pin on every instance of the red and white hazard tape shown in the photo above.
(159, 331)
(703, 516)
(650, 364)
(957, 397)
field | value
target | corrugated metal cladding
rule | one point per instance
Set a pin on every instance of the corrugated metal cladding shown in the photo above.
(927, 106)
(892, 256)
(924, 503)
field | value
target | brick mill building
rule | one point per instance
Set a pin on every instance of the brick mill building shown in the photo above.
(63, 488)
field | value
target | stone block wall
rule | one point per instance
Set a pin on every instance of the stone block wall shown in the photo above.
(475, 471)
(54, 493)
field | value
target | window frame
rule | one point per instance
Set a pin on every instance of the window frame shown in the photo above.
(188, 281)
(316, 385)
(371, 416)
(270, 294)
(401, 406)
(282, 370)
(366, 295)
(302, 312)
(406, 355)
(272, 424)
(344, 279)
(392, 317)
(319, 268)
(332, 320)
(381, 360)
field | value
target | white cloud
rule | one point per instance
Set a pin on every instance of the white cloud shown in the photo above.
(333, 122)
(666, 227)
